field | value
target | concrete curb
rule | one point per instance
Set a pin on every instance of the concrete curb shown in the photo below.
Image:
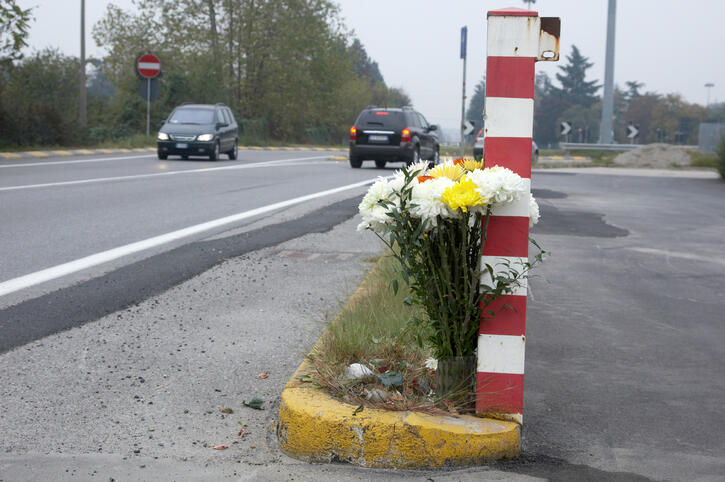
(88, 152)
(315, 427)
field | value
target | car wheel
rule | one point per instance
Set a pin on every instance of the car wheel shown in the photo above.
(233, 153)
(214, 156)
(380, 164)
(416, 156)
(436, 158)
(162, 157)
(355, 162)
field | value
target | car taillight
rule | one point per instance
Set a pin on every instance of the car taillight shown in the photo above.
(353, 133)
(405, 135)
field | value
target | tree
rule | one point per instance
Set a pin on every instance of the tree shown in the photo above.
(547, 114)
(363, 65)
(639, 112)
(572, 78)
(39, 101)
(632, 91)
(476, 105)
(14, 24)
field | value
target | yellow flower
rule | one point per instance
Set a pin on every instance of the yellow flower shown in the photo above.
(449, 170)
(470, 165)
(462, 195)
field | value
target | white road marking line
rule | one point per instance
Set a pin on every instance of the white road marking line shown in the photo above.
(155, 174)
(77, 161)
(71, 267)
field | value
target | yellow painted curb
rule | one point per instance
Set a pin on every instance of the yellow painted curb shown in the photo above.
(315, 427)
(38, 154)
(10, 155)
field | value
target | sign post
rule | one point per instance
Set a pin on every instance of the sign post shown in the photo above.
(464, 40)
(148, 67)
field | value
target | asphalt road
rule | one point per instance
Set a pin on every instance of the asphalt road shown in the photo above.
(58, 211)
(624, 341)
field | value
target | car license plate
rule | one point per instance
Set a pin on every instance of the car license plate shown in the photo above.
(181, 145)
(374, 138)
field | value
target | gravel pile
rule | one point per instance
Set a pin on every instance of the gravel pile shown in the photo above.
(654, 155)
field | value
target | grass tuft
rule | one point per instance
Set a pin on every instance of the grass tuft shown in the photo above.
(374, 329)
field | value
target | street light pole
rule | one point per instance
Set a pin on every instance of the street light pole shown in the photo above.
(708, 86)
(82, 106)
(605, 127)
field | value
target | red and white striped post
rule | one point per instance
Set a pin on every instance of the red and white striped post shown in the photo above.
(517, 38)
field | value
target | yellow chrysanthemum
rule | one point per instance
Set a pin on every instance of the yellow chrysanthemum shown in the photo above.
(462, 195)
(449, 170)
(470, 165)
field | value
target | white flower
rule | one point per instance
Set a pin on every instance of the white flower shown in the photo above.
(426, 201)
(419, 167)
(533, 212)
(498, 185)
(374, 216)
(431, 364)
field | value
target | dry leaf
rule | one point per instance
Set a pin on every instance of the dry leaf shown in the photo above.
(225, 410)
(219, 447)
(263, 375)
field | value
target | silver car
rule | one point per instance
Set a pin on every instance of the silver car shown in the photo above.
(478, 148)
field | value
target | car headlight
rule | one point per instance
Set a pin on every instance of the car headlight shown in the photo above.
(205, 137)
(163, 136)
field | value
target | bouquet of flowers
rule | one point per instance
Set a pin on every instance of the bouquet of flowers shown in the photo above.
(434, 221)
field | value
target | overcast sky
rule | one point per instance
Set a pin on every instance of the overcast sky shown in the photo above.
(672, 46)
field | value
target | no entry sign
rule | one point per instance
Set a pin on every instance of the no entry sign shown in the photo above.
(148, 66)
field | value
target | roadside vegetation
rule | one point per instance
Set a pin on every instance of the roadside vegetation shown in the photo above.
(305, 84)
(721, 157)
(374, 329)
(702, 159)
(455, 151)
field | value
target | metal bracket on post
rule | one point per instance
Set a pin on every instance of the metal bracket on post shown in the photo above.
(549, 32)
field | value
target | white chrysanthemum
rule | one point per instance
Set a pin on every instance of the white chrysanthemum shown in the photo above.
(431, 363)
(534, 214)
(419, 167)
(426, 201)
(498, 185)
(374, 216)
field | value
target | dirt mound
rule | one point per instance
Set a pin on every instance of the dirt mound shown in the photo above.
(654, 155)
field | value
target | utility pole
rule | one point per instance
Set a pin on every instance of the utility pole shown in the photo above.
(464, 39)
(605, 127)
(82, 106)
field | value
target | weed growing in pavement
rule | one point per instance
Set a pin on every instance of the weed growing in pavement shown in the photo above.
(374, 329)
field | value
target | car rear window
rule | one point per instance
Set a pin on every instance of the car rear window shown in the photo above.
(192, 116)
(380, 119)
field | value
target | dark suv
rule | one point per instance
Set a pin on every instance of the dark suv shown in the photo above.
(199, 130)
(386, 134)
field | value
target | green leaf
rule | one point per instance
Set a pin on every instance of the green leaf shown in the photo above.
(255, 403)
(391, 379)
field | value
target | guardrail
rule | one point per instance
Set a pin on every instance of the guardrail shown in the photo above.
(582, 146)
